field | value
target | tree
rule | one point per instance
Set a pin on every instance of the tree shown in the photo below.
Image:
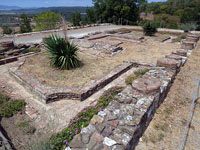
(76, 19)
(6, 29)
(186, 10)
(25, 25)
(47, 20)
(122, 10)
(91, 15)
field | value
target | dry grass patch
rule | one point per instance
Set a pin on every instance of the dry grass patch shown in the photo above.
(96, 64)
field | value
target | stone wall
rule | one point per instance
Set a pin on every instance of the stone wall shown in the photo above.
(49, 94)
(123, 122)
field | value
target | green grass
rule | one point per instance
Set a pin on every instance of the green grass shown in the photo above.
(138, 74)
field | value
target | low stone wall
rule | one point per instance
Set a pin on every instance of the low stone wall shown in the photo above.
(8, 60)
(16, 58)
(123, 122)
(50, 94)
(129, 37)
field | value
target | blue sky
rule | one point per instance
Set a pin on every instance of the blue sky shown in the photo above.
(48, 3)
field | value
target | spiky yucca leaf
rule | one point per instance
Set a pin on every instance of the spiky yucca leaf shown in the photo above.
(62, 54)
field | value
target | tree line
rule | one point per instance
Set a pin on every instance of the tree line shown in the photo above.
(175, 14)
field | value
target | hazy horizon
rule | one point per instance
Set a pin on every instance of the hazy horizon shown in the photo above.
(51, 3)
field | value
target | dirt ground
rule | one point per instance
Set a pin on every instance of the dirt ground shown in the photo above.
(94, 66)
(166, 130)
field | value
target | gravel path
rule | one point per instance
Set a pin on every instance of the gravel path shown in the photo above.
(166, 130)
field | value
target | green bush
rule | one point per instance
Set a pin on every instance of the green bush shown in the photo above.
(149, 28)
(188, 27)
(6, 29)
(9, 108)
(62, 139)
(46, 20)
(62, 54)
(137, 74)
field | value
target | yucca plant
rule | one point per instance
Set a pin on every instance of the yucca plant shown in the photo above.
(62, 53)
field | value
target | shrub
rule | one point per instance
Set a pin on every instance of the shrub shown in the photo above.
(9, 108)
(62, 139)
(149, 28)
(137, 74)
(188, 27)
(62, 54)
(6, 29)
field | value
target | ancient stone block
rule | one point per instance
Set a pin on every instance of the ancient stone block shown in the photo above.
(107, 131)
(113, 123)
(180, 52)
(147, 85)
(192, 39)
(168, 63)
(96, 120)
(77, 142)
(99, 138)
(173, 56)
(109, 142)
(187, 45)
(7, 44)
(197, 36)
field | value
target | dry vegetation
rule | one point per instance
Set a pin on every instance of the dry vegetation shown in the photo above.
(95, 66)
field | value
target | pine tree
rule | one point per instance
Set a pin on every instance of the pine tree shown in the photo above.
(25, 25)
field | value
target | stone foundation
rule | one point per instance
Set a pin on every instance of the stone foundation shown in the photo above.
(50, 94)
(123, 122)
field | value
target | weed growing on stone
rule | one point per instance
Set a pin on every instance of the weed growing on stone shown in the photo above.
(82, 120)
(162, 127)
(138, 74)
(155, 139)
(160, 137)
(26, 127)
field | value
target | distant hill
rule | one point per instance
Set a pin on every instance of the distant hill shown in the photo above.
(31, 12)
(3, 7)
